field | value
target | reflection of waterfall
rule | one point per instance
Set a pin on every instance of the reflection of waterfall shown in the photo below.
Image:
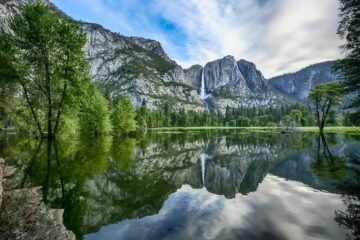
(203, 157)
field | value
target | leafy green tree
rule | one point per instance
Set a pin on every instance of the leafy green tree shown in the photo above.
(296, 116)
(94, 115)
(349, 29)
(141, 115)
(45, 58)
(324, 97)
(8, 79)
(263, 120)
(309, 120)
(123, 116)
(346, 121)
(332, 119)
(244, 122)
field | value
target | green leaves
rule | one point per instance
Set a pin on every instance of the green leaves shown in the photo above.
(42, 54)
(331, 92)
(349, 67)
(123, 116)
(324, 97)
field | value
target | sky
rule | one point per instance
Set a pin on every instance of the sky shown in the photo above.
(279, 36)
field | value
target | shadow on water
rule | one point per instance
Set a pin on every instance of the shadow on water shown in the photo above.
(106, 180)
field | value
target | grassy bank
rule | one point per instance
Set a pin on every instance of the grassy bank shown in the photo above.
(301, 129)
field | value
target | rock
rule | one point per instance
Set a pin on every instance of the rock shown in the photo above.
(297, 85)
(253, 77)
(24, 216)
(238, 84)
(223, 72)
(193, 74)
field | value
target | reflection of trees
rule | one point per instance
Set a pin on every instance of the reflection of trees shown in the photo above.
(99, 181)
(62, 167)
(123, 152)
(327, 165)
(349, 219)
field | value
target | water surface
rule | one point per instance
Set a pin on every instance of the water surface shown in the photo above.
(197, 184)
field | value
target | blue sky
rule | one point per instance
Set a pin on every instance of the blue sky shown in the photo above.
(279, 36)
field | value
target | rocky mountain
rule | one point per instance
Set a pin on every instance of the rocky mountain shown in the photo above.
(297, 85)
(232, 83)
(140, 69)
(132, 66)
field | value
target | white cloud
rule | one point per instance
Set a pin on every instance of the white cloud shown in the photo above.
(279, 36)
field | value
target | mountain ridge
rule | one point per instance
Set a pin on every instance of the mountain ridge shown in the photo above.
(140, 69)
(298, 84)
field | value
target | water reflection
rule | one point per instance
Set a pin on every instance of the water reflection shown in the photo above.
(196, 185)
(197, 214)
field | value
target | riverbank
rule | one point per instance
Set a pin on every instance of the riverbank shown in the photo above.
(24, 216)
(355, 130)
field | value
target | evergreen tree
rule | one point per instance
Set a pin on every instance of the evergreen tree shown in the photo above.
(141, 115)
(349, 29)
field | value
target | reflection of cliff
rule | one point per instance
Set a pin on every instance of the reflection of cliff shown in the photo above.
(141, 189)
(157, 172)
(238, 168)
(104, 182)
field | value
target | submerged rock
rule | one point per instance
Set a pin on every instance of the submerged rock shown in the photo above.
(24, 216)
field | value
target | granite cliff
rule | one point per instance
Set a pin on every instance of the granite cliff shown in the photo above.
(140, 69)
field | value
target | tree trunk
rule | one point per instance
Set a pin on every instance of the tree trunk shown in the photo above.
(38, 125)
(60, 110)
(2, 170)
(49, 95)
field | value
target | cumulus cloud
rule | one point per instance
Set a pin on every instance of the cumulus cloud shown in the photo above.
(278, 35)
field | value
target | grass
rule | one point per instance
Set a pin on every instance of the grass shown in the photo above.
(332, 129)
(354, 130)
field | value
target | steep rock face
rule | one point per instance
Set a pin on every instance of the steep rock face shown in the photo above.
(193, 74)
(223, 73)
(152, 46)
(136, 67)
(253, 77)
(235, 84)
(297, 85)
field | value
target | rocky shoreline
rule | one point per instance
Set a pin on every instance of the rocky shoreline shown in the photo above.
(23, 215)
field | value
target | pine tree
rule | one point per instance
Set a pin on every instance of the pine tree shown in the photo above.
(349, 29)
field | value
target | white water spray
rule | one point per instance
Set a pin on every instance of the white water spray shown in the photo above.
(203, 158)
(203, 94)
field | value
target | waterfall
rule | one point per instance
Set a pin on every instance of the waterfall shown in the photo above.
(202, 161)
(203, 95)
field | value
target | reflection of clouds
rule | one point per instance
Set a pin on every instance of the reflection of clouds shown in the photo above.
(279, 209)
